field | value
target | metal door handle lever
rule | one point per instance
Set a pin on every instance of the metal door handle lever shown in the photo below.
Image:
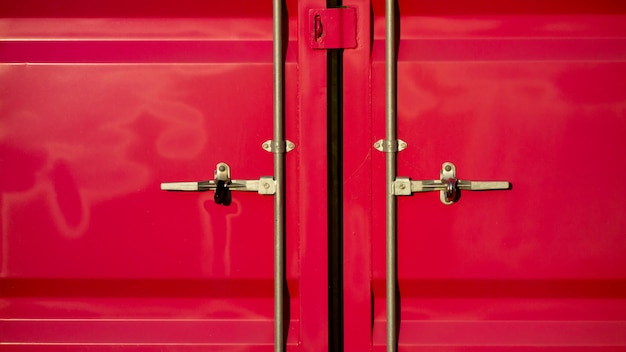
(483, 185)
(449, 186)
(264, 185)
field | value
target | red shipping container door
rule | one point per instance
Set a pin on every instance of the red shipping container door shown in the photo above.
(102, 101)
(530, 92)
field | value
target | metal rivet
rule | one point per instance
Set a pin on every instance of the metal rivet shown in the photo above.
(291, 145)
(266, 185)
(402, 145)
(266, 146)
(222, 168)
(448, 167)
(402, 186)
(377, 145)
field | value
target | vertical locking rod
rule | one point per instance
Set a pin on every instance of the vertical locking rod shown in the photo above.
(279, 172)
(390, 157)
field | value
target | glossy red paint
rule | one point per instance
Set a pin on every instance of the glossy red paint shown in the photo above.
(357, 186)
(101, 102)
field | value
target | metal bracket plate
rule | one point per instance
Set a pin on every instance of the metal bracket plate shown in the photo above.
(333, 28)
(272, 147)
(387, 146)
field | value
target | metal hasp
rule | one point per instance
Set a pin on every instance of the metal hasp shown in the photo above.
(449, 186)
(264, 185)
(333, 28)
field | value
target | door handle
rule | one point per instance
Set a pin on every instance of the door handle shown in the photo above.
(264, 185)
(222, 185)
(448, 185)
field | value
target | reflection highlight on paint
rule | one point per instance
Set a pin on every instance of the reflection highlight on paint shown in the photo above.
(84, 141)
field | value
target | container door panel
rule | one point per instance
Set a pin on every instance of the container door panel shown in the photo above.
(99, 104)
(533, 94)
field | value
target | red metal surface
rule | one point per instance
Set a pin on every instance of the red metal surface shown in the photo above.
(332, 28)
(99, 103)
(535, 94)
(357, 186)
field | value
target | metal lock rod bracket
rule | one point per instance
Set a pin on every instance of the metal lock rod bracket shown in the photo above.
(274, 147)
(386, 146)
(448, 185)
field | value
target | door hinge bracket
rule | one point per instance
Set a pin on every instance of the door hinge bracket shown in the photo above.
(333, 28)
